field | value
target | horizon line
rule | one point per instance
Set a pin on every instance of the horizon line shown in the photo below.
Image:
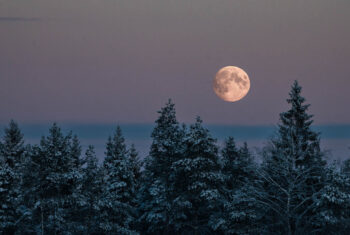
(143, 130)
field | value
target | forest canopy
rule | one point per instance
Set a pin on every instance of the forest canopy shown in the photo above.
(187, 184)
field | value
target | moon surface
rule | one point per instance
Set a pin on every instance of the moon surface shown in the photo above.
(231, 83)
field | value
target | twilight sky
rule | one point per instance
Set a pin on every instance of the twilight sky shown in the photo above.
(119, 61)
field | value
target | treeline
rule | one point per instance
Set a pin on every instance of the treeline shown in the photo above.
(186, 185)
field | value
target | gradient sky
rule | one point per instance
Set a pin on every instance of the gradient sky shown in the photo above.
(111, 61)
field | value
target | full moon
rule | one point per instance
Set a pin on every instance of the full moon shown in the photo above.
(231, 83)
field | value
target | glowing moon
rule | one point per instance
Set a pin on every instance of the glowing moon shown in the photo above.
(231, 83)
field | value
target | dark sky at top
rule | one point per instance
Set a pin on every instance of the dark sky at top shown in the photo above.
(119, 61)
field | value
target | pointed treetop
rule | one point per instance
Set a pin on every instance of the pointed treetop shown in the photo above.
(90, 157)
(90, 151)
(56, 139)
(166, 131)
(244, 149)
(198, 127)
(200, 138)
(230, 150)
(55, 134)
(230, 142)
(230, 154)
(296, 137)
(297, 115)
(295, 95)
(167, 114)
(135, 161)
(199, 120)
(12, 146)
(75, 149)
(13, 134)
(116, 145)
(133, 152)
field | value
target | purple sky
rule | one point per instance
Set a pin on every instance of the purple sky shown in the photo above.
(119, 61)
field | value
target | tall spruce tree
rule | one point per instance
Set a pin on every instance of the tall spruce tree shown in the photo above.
(237, 165)
(53, 182)
(136, 165)
(241, 212)
(117, 211)
(292, 174)
(75, 201)
(197, 184)
(156, 193)
(91, 191)
(13, 146)
(12, 150)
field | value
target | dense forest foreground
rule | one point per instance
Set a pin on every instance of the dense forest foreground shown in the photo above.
(186, 185)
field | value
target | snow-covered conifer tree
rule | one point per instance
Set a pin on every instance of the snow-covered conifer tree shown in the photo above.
(197, 184)
(333, 204)
(75, 201)
(117, 211)
(292, 174)
(156, 193)
(12, 209)
(52, 182)
(241, 213)
(237, 165)
(91, 191)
